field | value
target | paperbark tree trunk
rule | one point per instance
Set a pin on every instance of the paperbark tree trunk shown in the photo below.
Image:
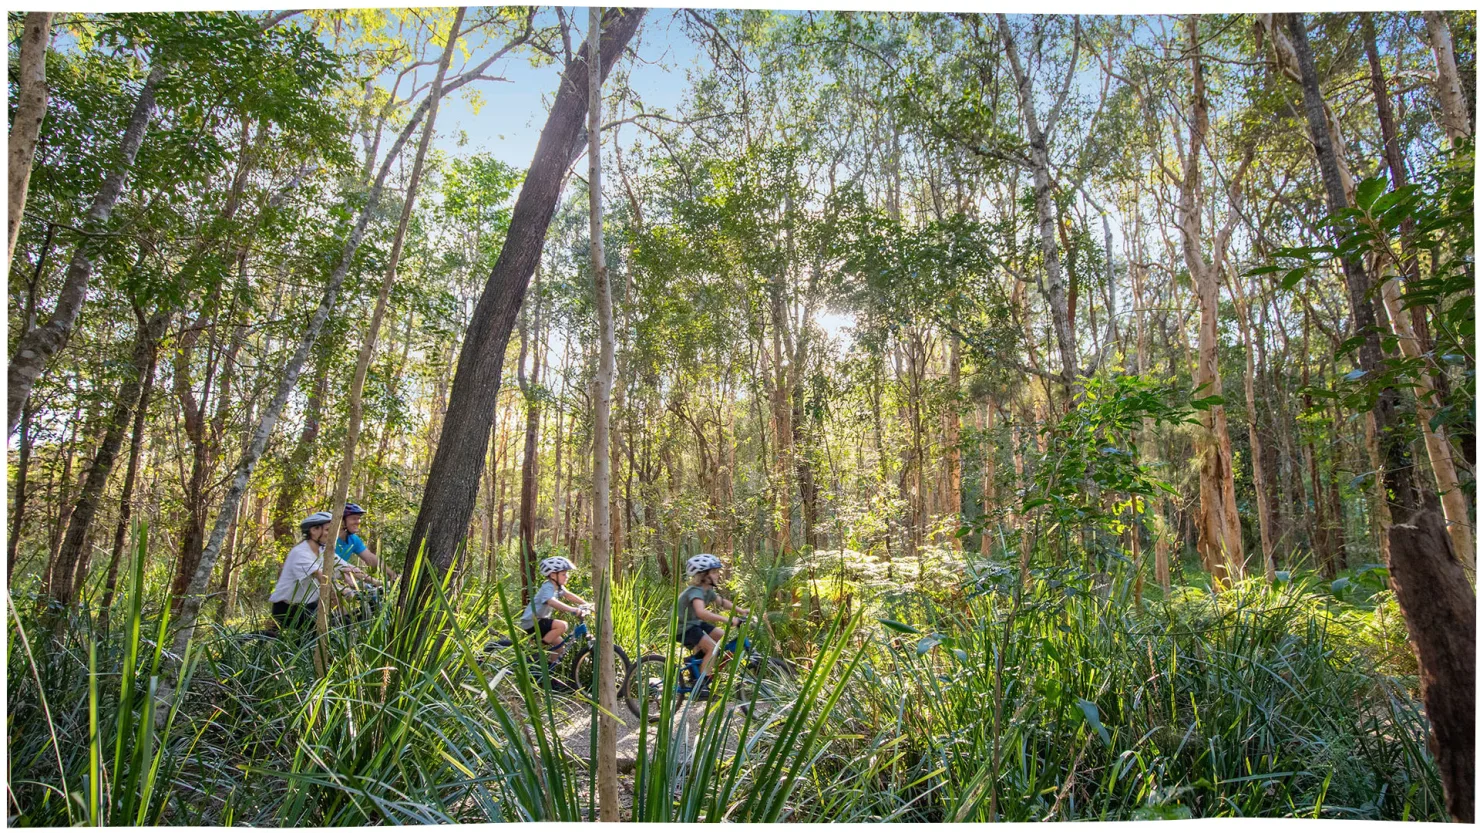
(1039, 136)
(37, 347)
(30, 112)
(1220, 538)
(448, 499)
(1455, 111)
(606, 732)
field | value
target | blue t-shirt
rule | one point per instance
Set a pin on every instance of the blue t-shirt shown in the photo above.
(351, 548)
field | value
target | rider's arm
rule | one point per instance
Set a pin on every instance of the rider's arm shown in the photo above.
(708, 615)
(579, 601)
(559, 605)
(729, 605)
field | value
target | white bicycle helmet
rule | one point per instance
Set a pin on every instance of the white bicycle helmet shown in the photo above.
(316, 519)
(701, 562)
(555, 564)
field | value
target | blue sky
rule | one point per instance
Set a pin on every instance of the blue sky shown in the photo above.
(512, 113)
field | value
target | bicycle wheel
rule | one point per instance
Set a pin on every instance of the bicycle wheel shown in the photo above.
(583, 671)
(645, 685)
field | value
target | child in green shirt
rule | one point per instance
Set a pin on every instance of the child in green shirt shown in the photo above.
(696, 621)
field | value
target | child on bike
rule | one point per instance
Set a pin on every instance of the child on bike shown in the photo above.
(540, 610)
(697, 623)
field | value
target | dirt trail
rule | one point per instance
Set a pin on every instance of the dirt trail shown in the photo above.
(573, 724)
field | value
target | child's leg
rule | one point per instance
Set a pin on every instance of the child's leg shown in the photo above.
(557, 632)
(707, 647)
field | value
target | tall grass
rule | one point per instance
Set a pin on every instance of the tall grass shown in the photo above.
(947, 703)
(1067, 704)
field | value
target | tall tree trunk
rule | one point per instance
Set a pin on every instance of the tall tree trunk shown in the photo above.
(953, 444)
(30, 112)
(1220, 539)
(1401, 320)
(18, 512)
(450, 491)
(36, 348)
(296, 468)
(1256, 448)
(1439, 609)
(529, 484)
(1454, 110)
(231, 502)
(1038, 139)
(367, 349)
(606, 735)
(989, 471)
(63, 575)
(130, 475)
(1423, 553)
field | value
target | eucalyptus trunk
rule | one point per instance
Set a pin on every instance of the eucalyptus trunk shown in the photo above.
(37, 347)
(1454, 110)
(1220, 537)
(606, 732)
(30, 112)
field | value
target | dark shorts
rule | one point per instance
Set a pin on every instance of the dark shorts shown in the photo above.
(693, 633)
(544, 625)
(292, 617)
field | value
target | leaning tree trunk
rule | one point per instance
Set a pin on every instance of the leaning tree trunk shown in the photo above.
(30, 112)
(231, 503)
(295, 467)
(448, 499)
(36, 348)
(1437, 601)
(606, 733)
(367, 350)
(63, 575)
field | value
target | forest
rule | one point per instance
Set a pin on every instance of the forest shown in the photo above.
(1074, 414)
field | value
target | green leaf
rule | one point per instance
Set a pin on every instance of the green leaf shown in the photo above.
(897, 626)
(1368, 190)
(1340, 586)
(929, 642)
(1207, 402)
(1092, 717)
(1294, 277)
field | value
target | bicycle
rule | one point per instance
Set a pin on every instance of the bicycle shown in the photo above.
(579, 663)
(761, 680)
